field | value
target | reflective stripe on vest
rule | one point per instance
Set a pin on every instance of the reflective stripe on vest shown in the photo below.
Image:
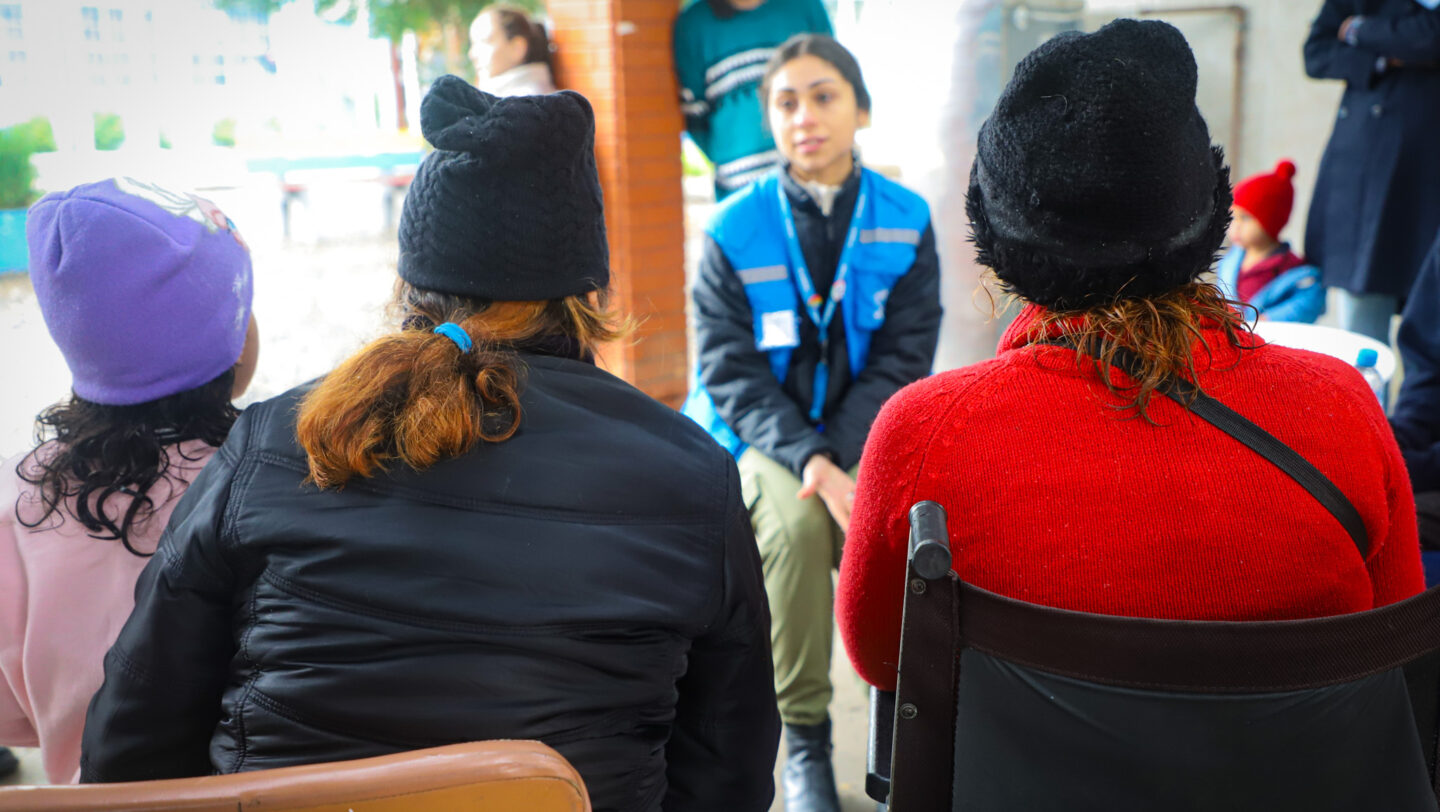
(749, 231)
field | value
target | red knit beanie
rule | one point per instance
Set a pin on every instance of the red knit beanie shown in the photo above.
(1268, 197)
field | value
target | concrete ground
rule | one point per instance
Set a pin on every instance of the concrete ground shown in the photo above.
(850, 715)
(30, 770)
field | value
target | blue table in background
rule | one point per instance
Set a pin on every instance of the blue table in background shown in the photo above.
(393, 169)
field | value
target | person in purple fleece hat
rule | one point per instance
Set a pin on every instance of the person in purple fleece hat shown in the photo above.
(147, 292)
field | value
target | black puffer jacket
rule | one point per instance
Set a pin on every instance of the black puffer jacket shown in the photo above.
(592, 583)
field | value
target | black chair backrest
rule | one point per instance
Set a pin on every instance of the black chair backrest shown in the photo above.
(1041, 708)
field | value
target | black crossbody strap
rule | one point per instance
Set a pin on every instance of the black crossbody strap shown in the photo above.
(1258, 440)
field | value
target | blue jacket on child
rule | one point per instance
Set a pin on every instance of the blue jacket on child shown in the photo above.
(759, 350)
(1295, 295)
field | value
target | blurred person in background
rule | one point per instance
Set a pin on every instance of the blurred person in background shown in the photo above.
(817, 298)
(511, 52)
(1259, 269)
(1416, 417)
(147, 292)
(721, 49)
(1376, 206)
(1072, 484)
(468, 530)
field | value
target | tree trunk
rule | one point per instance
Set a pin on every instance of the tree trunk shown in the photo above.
(397, 75)
(452, 36)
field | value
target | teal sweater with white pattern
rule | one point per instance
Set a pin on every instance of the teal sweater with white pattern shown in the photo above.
(719, 64)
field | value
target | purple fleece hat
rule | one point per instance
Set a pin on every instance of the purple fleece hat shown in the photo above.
(146, 291)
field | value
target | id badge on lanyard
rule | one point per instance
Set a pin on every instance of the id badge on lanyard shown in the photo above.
(821, 309)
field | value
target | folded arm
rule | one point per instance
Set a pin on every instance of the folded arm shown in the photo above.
(1326, 57)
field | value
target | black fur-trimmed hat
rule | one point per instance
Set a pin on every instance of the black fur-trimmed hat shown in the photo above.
(1095, 177)
(508, 206)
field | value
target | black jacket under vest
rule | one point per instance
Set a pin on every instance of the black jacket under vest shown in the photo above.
(592, 582)
(773, 417)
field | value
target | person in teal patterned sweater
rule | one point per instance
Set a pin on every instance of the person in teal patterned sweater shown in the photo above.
(721, 47)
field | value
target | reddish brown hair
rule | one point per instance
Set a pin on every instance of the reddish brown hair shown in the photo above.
(413, 396)
(1163, 332)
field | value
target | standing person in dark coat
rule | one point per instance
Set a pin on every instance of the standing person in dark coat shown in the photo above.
(467, 531)
(1377, 197)
(1416, 418)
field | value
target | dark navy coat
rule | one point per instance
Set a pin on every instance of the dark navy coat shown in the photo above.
(1416, 418)
(1377, 195)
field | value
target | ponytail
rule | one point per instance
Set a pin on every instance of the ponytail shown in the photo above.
(516, 23)
(416, 397)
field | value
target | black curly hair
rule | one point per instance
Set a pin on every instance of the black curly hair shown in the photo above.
(86, 453)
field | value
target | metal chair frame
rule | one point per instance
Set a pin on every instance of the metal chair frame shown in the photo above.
(912, 731)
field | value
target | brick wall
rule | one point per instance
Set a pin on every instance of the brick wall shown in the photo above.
(617, 53)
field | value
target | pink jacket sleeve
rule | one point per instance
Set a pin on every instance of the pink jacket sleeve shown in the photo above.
(16, 727)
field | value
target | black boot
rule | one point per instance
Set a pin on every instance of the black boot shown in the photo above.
(809, 778)
(9, 764)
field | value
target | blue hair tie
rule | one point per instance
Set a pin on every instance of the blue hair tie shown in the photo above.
(452, 331)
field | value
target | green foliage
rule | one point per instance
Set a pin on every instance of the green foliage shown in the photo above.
(693, 162)
(17, 175)
(224, 133)
(262, 8)
(388, 18)
(109, 131)
(37, 133)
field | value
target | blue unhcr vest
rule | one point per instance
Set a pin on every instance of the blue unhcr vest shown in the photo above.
(749, 229)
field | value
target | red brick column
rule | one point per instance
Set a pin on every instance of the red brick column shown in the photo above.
(617, 53)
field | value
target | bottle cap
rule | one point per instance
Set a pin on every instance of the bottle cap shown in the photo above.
(1367, 358)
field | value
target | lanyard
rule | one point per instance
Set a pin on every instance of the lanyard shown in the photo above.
(812, 299)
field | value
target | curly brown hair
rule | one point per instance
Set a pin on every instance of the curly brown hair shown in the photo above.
(1162, 333)
(413, 396)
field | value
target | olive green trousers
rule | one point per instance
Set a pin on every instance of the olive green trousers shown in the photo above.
(800, 548)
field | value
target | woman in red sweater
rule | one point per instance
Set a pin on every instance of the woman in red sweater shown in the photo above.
(1097, 199)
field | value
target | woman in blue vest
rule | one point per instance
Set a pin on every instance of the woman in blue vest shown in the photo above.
(817, 298)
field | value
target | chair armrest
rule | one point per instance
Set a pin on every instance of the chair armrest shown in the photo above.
(882, 737)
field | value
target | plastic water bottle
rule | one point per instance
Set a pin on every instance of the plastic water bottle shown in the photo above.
(1365, 362)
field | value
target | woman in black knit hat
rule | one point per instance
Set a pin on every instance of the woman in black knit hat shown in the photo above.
(468, 530)
(1070, 476)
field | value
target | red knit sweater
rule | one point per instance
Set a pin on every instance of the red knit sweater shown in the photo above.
(1056, 499)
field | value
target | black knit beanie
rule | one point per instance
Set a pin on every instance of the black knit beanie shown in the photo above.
(1095, 177)
(508, 206)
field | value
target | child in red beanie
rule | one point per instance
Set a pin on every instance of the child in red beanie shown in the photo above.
(1259, 269)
